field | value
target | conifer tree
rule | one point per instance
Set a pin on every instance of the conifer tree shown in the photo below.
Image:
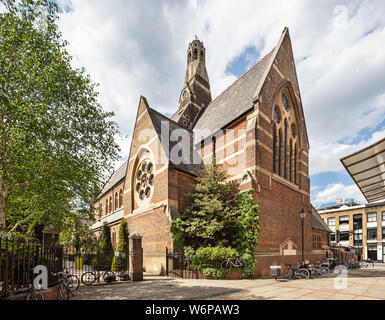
(120, 262)
(106, 248)
(210, 218)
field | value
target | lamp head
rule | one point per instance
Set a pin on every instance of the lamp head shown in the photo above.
(302, 214)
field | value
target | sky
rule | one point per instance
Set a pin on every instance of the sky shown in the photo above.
(134, 48)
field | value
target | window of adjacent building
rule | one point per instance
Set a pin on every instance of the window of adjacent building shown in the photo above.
(214, 145)
(344, 236)
(113, 238)
(357, 221)
(331, 222)
(344, 220)
(372, 217)
(332, 237)
(372, 234)
(120, 198)
(316, 241)
(116, 201)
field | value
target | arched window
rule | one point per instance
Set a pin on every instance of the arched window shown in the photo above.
(291, 161)
(107, 210)
(195, 54)
(295, 163)
(110, 204)
(285, 136)
(116, 201)
(285, 151)
(279, 152)
(274, 148)
(120, 198)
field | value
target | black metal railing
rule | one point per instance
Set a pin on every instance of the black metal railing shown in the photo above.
(18, 259)
(78, 262)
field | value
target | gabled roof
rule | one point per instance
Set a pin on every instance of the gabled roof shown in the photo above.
(235, 100)
(317, 222)
(192, 162)
(116, 177)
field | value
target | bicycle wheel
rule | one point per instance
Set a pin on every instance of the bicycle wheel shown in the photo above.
(109, 276)
(303, 274)
(64, 291)
(35, 295)
(324, 270)
(71, 289)
(88, 278)
(287, 273)
(225, 265)
(74, 280)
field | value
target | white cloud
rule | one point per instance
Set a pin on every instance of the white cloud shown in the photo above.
(133, 48)
(326, 157)
(338, 190)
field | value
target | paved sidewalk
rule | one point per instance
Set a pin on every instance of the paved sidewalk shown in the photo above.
(366, 284)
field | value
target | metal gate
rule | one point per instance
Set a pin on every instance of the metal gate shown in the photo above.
(175, 264)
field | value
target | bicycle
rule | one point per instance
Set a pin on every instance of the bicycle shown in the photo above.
(71, 278)
(66, 288)
(291, 272)
(34, 294)
(231, 262)
(88, 278)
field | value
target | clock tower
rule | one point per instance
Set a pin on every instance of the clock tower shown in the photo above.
(196, 94)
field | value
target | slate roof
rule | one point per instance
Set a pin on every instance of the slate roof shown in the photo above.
(235, 100)
(317, 222)
(117, 176)
(191, 162)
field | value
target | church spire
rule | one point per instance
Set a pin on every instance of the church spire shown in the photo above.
(196, 92)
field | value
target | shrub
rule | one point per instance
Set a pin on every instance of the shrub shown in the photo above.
(214, 273)
(119, 262)
(106, 249)
(248, 267)
(211, 257)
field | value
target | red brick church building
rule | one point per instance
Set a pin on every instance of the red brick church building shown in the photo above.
(255, 128)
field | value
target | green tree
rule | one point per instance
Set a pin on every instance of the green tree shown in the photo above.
(120, 262)
(210, 218)
(106, 250)
(55, 139)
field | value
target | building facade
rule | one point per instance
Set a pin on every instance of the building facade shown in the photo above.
(361, 227)
(255, 129)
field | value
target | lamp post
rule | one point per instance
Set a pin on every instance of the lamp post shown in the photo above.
(302, 215)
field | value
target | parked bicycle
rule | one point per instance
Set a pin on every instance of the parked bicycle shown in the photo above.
(291, 272)
(230, 263)
(34, 294)
(88, 278)
(66, 285)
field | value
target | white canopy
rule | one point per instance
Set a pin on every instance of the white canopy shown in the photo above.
(367, 168)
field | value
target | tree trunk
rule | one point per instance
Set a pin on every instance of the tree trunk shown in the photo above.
(3, 204)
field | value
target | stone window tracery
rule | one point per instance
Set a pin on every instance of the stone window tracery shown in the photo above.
(285, 137)
(144, 181)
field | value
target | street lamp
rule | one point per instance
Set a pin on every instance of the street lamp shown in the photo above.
(302, 215)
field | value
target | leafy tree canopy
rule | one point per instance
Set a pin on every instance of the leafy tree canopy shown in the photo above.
(55, 139)
(210, 218)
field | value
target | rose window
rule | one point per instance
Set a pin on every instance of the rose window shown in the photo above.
(144, 180)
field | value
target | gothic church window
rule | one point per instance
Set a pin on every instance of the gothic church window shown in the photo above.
(120, 198)
(285, 137)
(144, 180)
